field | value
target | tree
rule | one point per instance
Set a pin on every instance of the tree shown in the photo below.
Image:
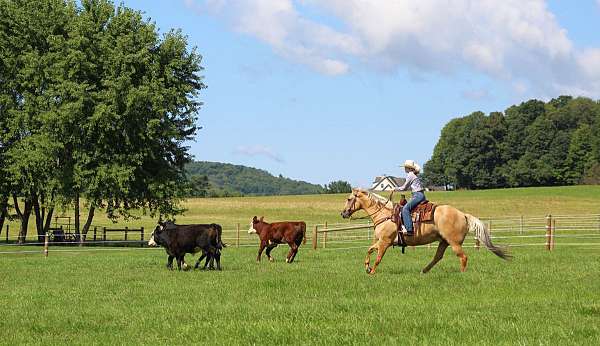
(99, 107)
(338, 186)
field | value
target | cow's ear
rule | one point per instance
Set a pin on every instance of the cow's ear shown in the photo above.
(262, 218)
(255, 219)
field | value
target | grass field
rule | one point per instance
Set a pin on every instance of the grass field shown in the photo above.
(122, 296)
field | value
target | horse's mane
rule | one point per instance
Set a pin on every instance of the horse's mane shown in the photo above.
(380, 200)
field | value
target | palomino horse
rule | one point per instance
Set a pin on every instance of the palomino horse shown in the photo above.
(449, 226)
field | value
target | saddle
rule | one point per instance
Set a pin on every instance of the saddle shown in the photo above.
(423, 212)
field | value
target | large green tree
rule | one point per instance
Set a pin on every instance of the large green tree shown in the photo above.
(100, 106)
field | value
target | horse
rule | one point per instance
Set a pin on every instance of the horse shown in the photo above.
(273, 234)
(449, 227)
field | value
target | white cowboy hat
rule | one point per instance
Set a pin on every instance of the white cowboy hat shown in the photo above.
(412, 164)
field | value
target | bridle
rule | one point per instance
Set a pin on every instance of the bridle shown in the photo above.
(368, 215)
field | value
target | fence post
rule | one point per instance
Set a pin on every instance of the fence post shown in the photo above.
(548, 232)
(103, 236)
(552, 233)
(46, 246)
(81, 239)
(7, 233)
(314, 239)
(237, 244)
(95, 230)
(521, 230)
(126, 233)
(142, 236)
(325, 238)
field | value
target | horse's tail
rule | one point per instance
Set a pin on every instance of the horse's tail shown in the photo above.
(483, 235)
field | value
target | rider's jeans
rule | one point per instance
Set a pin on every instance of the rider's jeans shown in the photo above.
(417, 197)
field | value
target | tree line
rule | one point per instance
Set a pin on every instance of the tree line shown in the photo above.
(534, 143)
(215, 179)
(95, 107)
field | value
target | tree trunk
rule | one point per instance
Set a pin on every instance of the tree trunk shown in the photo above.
(39, 217)
(77, 215)
(3, 212)
(88, 222)
(42, 220)
(48, 219)
(23, 216)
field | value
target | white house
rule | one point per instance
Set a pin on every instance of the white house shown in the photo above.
(386, 183)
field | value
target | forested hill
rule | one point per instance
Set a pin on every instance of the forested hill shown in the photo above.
(531, 144)
(223, 179)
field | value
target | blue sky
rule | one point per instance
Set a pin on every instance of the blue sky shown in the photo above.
(349, 89)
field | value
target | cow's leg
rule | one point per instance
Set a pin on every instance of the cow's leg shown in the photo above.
(217, 257)
(263, 244)
(170, 262)
(200, 260)
(292, 254)
(268, 252)
(179, 260)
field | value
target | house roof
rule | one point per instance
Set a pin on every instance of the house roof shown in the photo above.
(394, 180)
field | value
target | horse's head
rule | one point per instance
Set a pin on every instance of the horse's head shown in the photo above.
(354, 202)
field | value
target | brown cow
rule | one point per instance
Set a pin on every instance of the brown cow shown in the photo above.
(273, 234)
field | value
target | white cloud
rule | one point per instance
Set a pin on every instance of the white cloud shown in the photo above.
(258, 150)
(518, 42)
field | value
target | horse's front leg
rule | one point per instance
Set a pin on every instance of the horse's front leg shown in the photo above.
(382, 247)
(368, 259)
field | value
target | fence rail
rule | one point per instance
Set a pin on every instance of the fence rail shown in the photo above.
(547, 231)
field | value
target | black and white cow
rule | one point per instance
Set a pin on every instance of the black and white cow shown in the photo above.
(181, 239)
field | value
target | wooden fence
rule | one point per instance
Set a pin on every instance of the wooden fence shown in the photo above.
(547, 231)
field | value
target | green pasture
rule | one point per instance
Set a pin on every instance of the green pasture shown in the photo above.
(104, 295)
(128, 296)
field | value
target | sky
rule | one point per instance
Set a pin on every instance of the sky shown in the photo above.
(348, 89)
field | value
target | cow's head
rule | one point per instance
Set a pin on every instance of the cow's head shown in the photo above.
(253, 224)
(158, 236)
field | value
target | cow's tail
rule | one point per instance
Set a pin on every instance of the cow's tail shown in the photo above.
(483, 235)
(303, 235)
(220, 244)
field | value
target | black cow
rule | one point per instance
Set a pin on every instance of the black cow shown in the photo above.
(181, 239)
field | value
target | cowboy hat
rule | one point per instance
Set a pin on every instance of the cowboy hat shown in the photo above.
(412, 164)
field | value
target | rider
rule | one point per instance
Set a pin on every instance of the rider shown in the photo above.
(414, 184)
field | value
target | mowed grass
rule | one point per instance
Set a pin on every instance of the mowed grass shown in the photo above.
(128, 296)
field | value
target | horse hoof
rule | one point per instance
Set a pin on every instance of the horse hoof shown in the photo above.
(271, 259)
(368, 270)
(287, 260)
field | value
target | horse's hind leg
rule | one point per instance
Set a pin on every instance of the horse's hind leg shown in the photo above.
(458, 250)
(443, 245)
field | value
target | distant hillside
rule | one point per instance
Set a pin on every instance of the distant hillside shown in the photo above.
(224, 179)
